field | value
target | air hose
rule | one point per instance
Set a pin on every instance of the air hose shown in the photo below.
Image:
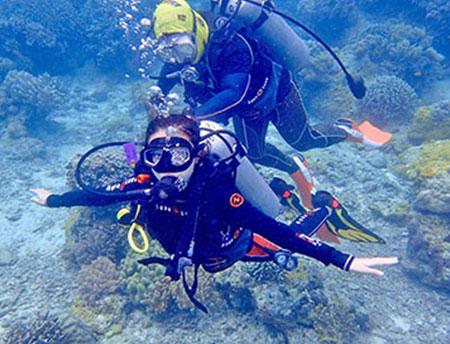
(355, 83)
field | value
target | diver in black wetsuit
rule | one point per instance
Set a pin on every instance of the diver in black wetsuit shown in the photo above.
(234, 76)
(192, 207)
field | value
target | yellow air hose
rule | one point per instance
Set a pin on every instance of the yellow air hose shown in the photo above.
(122, 214)
(134, 246)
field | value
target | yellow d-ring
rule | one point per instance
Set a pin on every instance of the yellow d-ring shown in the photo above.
(132, 242)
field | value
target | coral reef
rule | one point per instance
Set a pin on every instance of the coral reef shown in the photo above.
(266, 272)
(431, 123)
(29, 97)
(169, 298)
(49, 329)
(104, 37)
(102, 168)
(104, 317)
(389, 103)
(398, 49)
(397, 212)
(433, 195)
(299, 299)
(322, 69)
(136, 279)
(15, 135)
(427, 161)
(304, 301)
(429, 250)
(331, 103)
(325, 91)
(149, 288)
(437, 17)
(429, 167)
(428, 247)
(97, 280)
(90, 235)
(97, 301)
(43, 35)
(381, 7)
(332, 327)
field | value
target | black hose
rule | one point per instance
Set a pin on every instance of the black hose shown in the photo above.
(86, 155)
(356, 83)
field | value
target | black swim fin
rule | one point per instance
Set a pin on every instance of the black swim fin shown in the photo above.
(287, 196)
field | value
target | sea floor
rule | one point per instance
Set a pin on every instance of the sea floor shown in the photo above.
(33, 277)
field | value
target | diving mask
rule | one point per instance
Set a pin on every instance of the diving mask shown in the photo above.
(177, 48)
(168, 154)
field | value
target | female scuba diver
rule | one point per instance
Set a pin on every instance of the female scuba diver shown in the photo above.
(188, 201)
(237, 63)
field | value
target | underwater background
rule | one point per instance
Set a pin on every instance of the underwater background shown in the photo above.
(73, 75)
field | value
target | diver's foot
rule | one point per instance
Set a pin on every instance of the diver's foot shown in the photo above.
(351, 128)
(365, 133)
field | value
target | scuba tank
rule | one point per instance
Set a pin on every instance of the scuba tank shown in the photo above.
(284, 44)
(248, 180)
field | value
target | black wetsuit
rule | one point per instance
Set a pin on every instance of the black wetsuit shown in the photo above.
(214, 215)
(239, 79)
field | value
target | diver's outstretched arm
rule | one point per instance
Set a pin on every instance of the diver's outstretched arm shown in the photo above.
(243, 214)
(73, 198)
(113, 193)
(364, 265)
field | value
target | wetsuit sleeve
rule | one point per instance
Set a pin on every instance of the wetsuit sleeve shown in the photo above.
(85, 198)
(247, 216)
(233, 90)
(231, 68)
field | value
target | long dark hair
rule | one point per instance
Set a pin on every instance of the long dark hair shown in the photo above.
(184, 123)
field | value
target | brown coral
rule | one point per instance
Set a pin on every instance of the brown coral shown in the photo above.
(90, 234)
(34, 96)
(97, 280)
(170, 297)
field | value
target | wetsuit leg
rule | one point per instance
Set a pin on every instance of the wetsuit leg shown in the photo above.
(292, 123)
(252, 133)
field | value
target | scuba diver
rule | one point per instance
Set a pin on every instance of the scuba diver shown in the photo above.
(186, 197)
(237, 62)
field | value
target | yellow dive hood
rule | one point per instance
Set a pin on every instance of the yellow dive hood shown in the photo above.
(177, 16)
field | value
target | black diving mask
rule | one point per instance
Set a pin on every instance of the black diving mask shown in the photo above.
(168, 154)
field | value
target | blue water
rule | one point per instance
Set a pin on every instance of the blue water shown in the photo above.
(75, 73)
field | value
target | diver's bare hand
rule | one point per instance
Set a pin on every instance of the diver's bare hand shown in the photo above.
(364, 265)
(40, 196)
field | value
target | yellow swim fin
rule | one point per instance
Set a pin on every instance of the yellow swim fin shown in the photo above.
(341, 224)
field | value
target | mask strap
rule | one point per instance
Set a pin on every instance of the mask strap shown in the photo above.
(194, 31)
(194, 26)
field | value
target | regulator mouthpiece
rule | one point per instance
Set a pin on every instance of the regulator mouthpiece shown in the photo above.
(356, 85)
